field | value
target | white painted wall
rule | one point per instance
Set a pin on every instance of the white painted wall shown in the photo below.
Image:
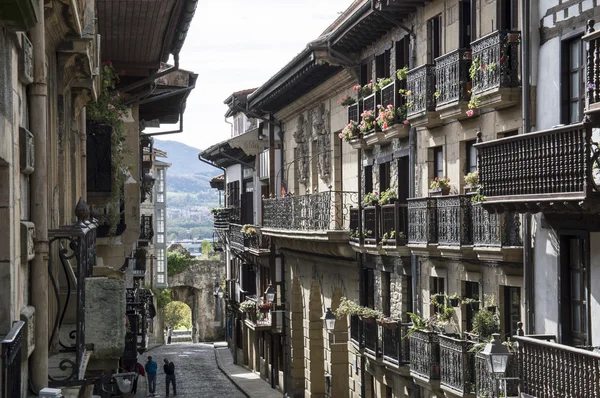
(234, 173)
(548, 85)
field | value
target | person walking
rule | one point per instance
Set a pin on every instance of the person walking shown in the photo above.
(139, 372)
(169, 334)
(169, 369)
(151, 367)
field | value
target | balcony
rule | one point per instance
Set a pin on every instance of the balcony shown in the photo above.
(395, 347)
(457, 364)
(546, 171)
(146, 230)
(384, 229)
(372, 347)
(496, 82)
(420, 82)
(221, 219)
(422, 226)
(496, 236)
(454, 222)
(424, 356)
(452, 90)
(99, 150)
(548, 369)
(255, 243)
(321, 216)
(11, 349)
(592, 39)
(484, 381)
(356, 331)
(72, 256)
(147, 151)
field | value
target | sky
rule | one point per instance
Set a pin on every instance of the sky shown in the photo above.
(239, 44)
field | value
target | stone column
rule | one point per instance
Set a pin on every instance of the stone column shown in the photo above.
(315, 374)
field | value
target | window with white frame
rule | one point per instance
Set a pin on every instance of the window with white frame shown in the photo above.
(160, 265)
(160, 187)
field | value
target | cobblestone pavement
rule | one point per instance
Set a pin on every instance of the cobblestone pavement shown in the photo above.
(196, 372)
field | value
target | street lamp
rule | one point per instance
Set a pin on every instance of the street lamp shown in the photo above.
(329, 320)
(270, 293)
(496, 357)
(218, 290)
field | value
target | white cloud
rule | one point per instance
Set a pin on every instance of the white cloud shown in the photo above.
(239, 44)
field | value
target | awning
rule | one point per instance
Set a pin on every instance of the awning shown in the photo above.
(249, 142)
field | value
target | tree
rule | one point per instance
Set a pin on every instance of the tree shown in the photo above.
(177, 263)
(206, 248)
(178, 315)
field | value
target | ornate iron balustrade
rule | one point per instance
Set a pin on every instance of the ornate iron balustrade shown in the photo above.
(221, 218)
(422, 224)
(354, 111)
(258, 242)
(74, 246)
(371, 336)
(451, 77)
(550, 164)
(592, 92)
(491, 229)
(146, 228)
(371, 220)
(454, 220)
(484, 381)
(497, 55)
(356, 331)
(99, 159)
(548, 369)
(395, 346)
(321, 211)
(354, 225)
(425, 355)
(390, 95)
(236, 237)
(147, 149)
(457, 373)
(420, 82)
(146, 187)
(370, 103)
(11, 361)
(394, 218)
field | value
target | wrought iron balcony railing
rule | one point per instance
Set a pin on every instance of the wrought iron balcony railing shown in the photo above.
(370, 103)
(420, 83)
(390, 95)
(454, 220)
(372, 223)
(354, 111)
(356, 331)
(236, 237)
(484, 380)
(492, 229)
(548, 369)
(371, 336)
(425, 355)
(395, 346)
(74, 247)
(394, 224)
(321, 211)
(542, 171)
(146, 149)
(497, 59)
(457, 366)
(146, 228)
(452, 77)
(592, 92)
(258, 243)
(422, 226)
(221, 218)
(11, 346)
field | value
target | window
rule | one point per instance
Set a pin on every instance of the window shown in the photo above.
(160, 221)
(438, 162)
(160, 266)
(160, 187)
(436, 286)
(384, 176)
(574, 77)
(386, 285)
(471, 157)
(508, 14)
(366, 72)
(402, 52)
(434, 38)
(369, 284)
(368, 179)
(512, 309)
(573, 290)
(471, 291)
(508, 134)
(382, 65)
(467, 31)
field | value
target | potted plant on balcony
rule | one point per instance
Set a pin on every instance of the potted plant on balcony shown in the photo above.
(370, 315)
(454, 300)
(485, 323)
(388, 196)
(471, 182)
(248, 230)
(367, 122)
(438, 299)
(249, 307)
(439, 187)
(489, 302)
(351, 132)
(264, 307)
(385, 116)
(349, 307)
(371, 199)
(472, 302)
(347, 100)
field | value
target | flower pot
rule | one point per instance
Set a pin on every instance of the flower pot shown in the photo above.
(454, 302)
(389, 324)
(369, 320)
(439, 191)
(475, 306)
(470, 189)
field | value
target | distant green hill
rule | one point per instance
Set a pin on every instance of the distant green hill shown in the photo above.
(184, 159)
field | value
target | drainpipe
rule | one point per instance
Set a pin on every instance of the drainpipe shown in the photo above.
(38, 105)
(412, 164)
(528, 264)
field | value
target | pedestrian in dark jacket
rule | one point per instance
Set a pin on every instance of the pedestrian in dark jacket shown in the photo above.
(169, 369)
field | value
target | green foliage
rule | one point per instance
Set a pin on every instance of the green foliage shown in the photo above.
(369, 198)
(207, 248)
(163, 296)
(349, 307)
(472, 179)
(178, 315)
(387, 196)
(486, 323)
(177, 263)
(401, 73)
(247, 305)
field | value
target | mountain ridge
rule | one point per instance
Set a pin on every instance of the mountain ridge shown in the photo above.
(184, 159)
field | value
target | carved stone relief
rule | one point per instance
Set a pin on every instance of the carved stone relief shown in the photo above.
(321, 132)
(300, 136)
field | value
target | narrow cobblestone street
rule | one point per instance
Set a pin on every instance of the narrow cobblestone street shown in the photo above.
(196, 372)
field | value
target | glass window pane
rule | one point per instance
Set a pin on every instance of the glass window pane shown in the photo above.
(575, 55)
(576, 285)
(575, 82)
(575, 112)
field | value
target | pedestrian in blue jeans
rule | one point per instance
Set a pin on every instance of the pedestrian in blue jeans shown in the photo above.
(169, 369)
(151, 367)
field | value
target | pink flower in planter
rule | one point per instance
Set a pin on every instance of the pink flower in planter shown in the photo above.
(470, 112)
(406, 122)
(385, 126)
